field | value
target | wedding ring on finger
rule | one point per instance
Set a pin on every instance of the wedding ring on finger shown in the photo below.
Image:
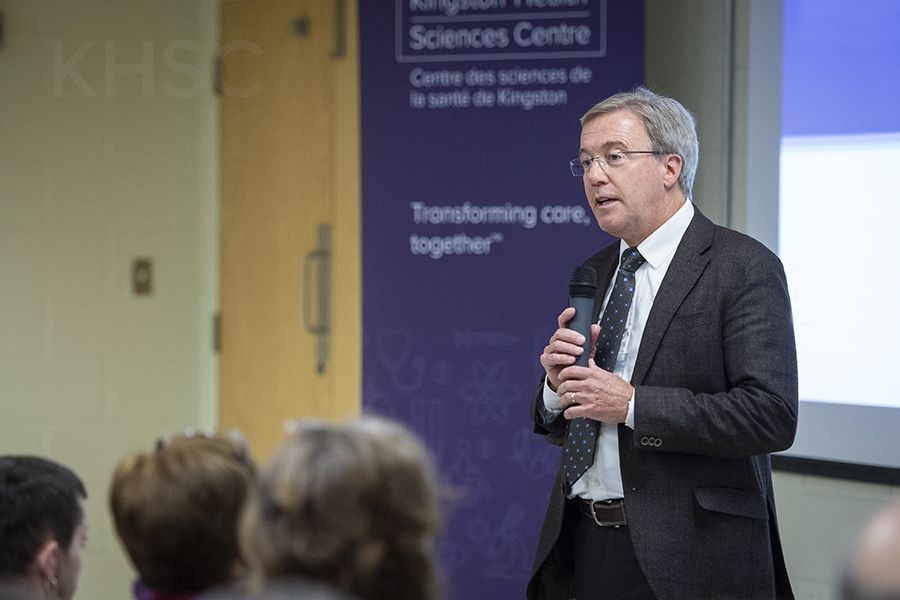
(572, 398)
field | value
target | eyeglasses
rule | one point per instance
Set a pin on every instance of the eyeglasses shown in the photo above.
(611, 160)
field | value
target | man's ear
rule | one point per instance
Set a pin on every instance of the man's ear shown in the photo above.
(673, 165)
(46, 561)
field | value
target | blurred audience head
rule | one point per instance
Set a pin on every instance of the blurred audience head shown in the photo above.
(42, 528)
(872, 569)
(352, 505)
(176, 510)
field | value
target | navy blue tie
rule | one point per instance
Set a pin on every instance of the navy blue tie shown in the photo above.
(581, 439)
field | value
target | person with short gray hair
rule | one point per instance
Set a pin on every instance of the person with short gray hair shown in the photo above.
(672, 129)
(670, 397)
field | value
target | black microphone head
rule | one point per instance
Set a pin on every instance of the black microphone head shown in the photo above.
(583, 282)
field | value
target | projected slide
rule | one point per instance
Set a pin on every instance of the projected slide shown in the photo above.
(840, 213)
(839, 217)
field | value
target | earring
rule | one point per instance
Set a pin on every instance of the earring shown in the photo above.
(51, 579)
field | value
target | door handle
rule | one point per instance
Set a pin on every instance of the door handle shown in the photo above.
(340, 32)
(320, 326)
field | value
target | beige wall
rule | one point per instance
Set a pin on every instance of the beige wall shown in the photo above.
(107, 152)
(698, 50)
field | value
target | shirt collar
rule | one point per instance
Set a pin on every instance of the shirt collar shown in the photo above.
(663, 242)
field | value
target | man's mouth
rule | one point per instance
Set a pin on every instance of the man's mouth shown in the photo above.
(603, 201)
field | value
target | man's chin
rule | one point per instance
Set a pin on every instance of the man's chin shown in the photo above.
(608, 224)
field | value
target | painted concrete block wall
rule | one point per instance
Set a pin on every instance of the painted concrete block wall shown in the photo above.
(819, 518)
(108, 143)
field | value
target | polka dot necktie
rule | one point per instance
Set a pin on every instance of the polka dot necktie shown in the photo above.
(581, 439)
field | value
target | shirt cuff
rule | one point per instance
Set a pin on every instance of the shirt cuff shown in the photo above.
(552, 403)
(629, 420)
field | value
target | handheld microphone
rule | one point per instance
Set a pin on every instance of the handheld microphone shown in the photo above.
(582, 292)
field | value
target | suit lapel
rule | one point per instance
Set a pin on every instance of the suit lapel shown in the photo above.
(687, 265)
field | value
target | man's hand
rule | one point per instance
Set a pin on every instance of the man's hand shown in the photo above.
(565, 346)
(594, 393)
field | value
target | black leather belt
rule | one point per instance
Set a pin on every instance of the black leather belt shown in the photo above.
(605, 513)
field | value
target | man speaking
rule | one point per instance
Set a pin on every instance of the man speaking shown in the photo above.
(664, 490)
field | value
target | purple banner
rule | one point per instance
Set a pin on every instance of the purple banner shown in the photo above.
(472, 225)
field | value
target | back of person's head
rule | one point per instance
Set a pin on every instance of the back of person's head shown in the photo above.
(671, 127)
(41, 520)
(177, 509)
(871, 571)
(353, 505)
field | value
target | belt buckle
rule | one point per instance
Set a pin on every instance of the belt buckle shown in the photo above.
(601, 523)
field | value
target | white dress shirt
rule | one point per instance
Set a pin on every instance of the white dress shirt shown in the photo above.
(603, 480)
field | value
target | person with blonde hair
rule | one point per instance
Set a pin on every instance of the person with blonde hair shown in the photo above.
(42, 529)
(353, 506)
(176, 510)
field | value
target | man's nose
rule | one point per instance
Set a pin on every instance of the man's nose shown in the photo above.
(596, 174)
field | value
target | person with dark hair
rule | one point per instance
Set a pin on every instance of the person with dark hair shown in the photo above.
(42, 528)
(668, 406)
(344, 510)
(871, 570)
(176, 510)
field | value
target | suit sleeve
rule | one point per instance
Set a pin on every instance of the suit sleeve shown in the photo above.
(724, 379)
(554, 431)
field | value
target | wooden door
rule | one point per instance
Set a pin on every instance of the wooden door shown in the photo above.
(290, 179)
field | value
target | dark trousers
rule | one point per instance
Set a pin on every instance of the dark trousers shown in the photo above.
(606, 567)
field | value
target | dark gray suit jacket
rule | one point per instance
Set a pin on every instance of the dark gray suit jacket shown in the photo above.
(715, 392)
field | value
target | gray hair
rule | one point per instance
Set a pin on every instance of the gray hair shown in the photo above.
(671, 127)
